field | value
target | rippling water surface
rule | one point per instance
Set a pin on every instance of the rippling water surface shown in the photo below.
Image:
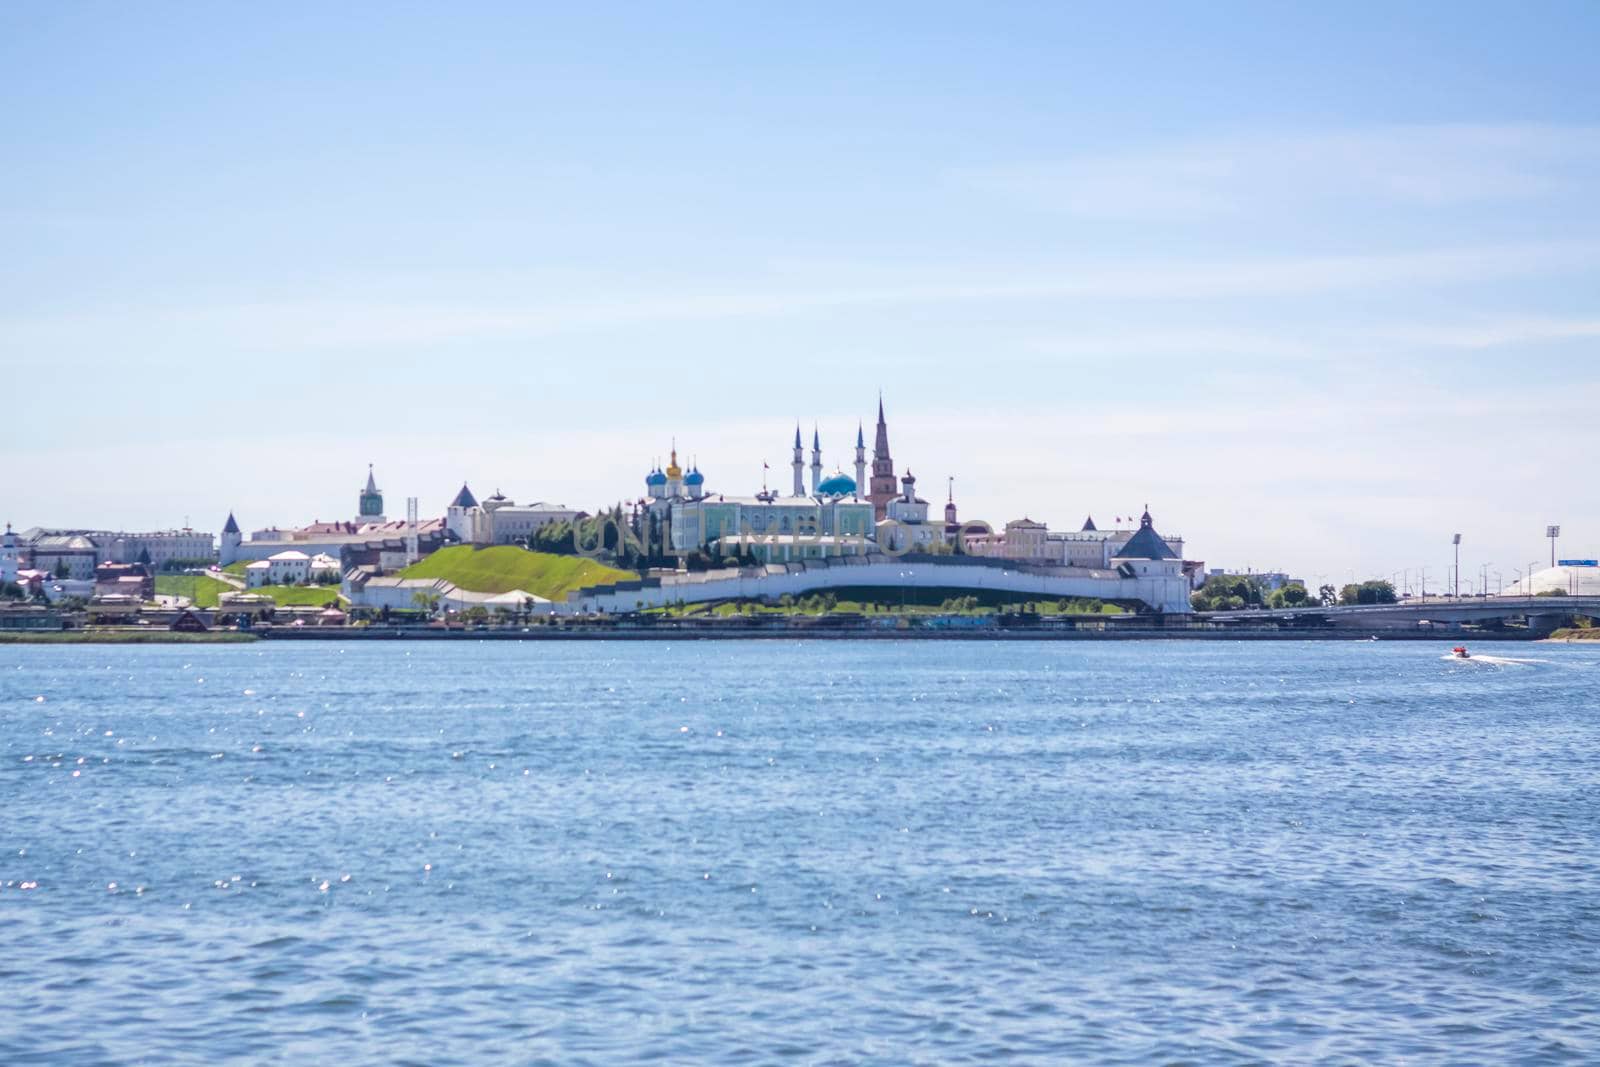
(825, 852)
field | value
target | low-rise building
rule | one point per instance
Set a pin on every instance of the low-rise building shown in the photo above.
(124, 579)
(1028, 540)
(367, 590)
(160, 548)
(281, 568)
(62, 553)
(48, 548)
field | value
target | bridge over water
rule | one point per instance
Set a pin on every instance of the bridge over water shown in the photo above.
(1540, 613)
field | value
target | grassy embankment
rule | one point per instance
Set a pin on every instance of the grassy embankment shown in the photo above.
(236, 568)
(1576, 633)
(201, 589)
(502, 568)
(121, 637)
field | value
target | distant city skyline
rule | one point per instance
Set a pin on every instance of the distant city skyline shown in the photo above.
(1317, 286)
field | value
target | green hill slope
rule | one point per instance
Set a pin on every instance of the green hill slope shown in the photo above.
(502, 568)
(201, 589)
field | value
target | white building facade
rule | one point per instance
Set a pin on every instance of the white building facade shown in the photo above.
(499, 520)
(291, 567)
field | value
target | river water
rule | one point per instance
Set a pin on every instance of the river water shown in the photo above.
(752, 852)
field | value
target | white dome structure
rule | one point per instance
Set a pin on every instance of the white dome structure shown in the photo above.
(1570, 578)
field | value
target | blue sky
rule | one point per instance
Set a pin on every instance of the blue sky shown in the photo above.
(1319, 286)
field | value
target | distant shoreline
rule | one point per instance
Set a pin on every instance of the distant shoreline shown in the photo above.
(813, 633)
(123, 637)
(1574, 636)
(819, 633)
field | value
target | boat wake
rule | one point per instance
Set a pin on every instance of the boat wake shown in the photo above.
(1492, 661)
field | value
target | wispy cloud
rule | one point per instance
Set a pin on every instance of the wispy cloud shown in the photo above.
(322, 323)
(1317, 341)
(1241, 174)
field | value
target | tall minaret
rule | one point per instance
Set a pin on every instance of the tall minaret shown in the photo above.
(883, 487)
(799, 464)
(816, 460)
(861, 462)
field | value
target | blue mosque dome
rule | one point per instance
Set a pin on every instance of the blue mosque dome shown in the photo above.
(838, 484)
(694, 477)
(656, 478)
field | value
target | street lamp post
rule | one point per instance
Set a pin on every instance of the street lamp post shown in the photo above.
(1457, 542)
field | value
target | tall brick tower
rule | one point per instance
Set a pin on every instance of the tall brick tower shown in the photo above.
(883, 481)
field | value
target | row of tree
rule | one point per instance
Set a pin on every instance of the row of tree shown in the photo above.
(1238, 592)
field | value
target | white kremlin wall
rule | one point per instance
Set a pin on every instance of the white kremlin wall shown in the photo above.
(1158, 583)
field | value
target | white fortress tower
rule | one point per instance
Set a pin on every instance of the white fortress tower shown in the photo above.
(8, 556)
(228, 544)
(458, 516)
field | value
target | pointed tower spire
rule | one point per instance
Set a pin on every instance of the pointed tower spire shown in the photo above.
(816, 461)
(370, 508)
(883, 488)
(861, 462)
(799, 464)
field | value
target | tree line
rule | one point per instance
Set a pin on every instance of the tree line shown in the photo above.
(1240, 592)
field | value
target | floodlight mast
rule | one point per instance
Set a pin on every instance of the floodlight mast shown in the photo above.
(1457, 542)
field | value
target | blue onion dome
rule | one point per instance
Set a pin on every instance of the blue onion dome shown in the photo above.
(694, 477)
(838, 484)
(656, 478)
